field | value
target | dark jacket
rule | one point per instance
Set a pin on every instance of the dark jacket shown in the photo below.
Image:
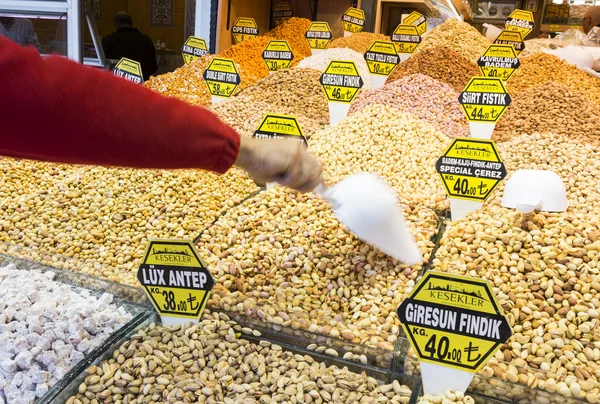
(130, 43)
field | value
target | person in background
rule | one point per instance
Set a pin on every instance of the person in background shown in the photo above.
(53, 109)
(591, 18)
(128, 42)
(19, 30)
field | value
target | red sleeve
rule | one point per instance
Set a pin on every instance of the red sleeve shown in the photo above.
(57, 110)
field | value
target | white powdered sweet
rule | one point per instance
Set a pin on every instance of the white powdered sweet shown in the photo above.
(46, 327)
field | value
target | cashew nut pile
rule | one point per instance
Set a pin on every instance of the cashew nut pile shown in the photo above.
(426, 98)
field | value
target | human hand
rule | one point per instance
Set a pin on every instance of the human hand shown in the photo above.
(283, 161)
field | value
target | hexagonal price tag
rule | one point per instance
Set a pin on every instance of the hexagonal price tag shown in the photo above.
(278, 55)
(484, 99)
(318, 35)
(521, 21)
(406, 38)
(194, 48)
(353, 20)
(282, 11)
(278, 126)
(471, 169)
(455, 325)
(341, 81)
(130, 70)
(418, 20)
(176, 280)
(244, 28)
(221, 77)
(499, 61)
(382, 58)
(513, 38)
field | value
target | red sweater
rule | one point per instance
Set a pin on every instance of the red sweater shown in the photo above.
(54, 109)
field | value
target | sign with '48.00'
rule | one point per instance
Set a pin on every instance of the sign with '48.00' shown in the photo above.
(471, 169)
(454, 321)
(175, 279)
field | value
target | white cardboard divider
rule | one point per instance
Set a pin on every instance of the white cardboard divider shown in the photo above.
(403, 56)
(167, 320)
(216, 100)
(314, 52)
(459, 208)
(482, 130)
(338, 111)
(347, 33)
(377, 81)
(439, 379)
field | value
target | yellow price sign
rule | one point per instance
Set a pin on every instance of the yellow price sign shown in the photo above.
(484, 99)
(277, 126)
(418, 20)
(221, 77)
(471, 169)
(406, 38)
(353, 20)
(130, 70)
(499, 61)
(175, 279)
(278, 55)
(454, 321)
(521, 21)
(341, 81)
(244, 28)
(282, 11)
(382, 58)
(513, 38)
(318, 35)
(193, 49)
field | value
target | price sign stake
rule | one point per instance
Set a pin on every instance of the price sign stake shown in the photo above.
(455, 325)
(418, 20)
(130, 70)
(353, 21)
(222, 78)
(318, 36)
(193, 49)
(277, 126)
(282, 11)
(244, 28)
(278, 55)
(175, 280)
(499, 61)
(381, 59)
(406, 38)
(512, 38)
(520, 21)
(341, 82)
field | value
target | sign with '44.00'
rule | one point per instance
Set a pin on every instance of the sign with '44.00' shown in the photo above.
(452, 322)
(175, 279)
(484, 99)
(471, 169)
(341, 81)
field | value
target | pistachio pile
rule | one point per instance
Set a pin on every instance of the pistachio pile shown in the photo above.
(209, 363)
(426, 98)
(544, 270)
(102, 217)
(283, 257)
(393, 144)
(441, 63)
(449, 397)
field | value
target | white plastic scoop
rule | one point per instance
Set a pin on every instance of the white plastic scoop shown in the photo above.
(367, 206)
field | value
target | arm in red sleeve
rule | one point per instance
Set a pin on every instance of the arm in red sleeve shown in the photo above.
(57, 110)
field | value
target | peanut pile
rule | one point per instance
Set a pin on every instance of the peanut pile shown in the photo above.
(283, 257)
(541, 68)
(359, 42)
(457, 35)
(208, 363)
(440, 63)
(426, 98)
(393, 144)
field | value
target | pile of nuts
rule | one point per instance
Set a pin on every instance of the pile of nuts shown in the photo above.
(544, 271)
(393, 144)
(104, 216)
(209, 363)
(359, 42)
(441, 63)
(244, 114)
(458, 36)
(540, 68)
(293, 30)
(449, 397)
(321, 61)
(426, 98)
(295, 90)
(550, 107)
(284, 258)
(46, 328)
